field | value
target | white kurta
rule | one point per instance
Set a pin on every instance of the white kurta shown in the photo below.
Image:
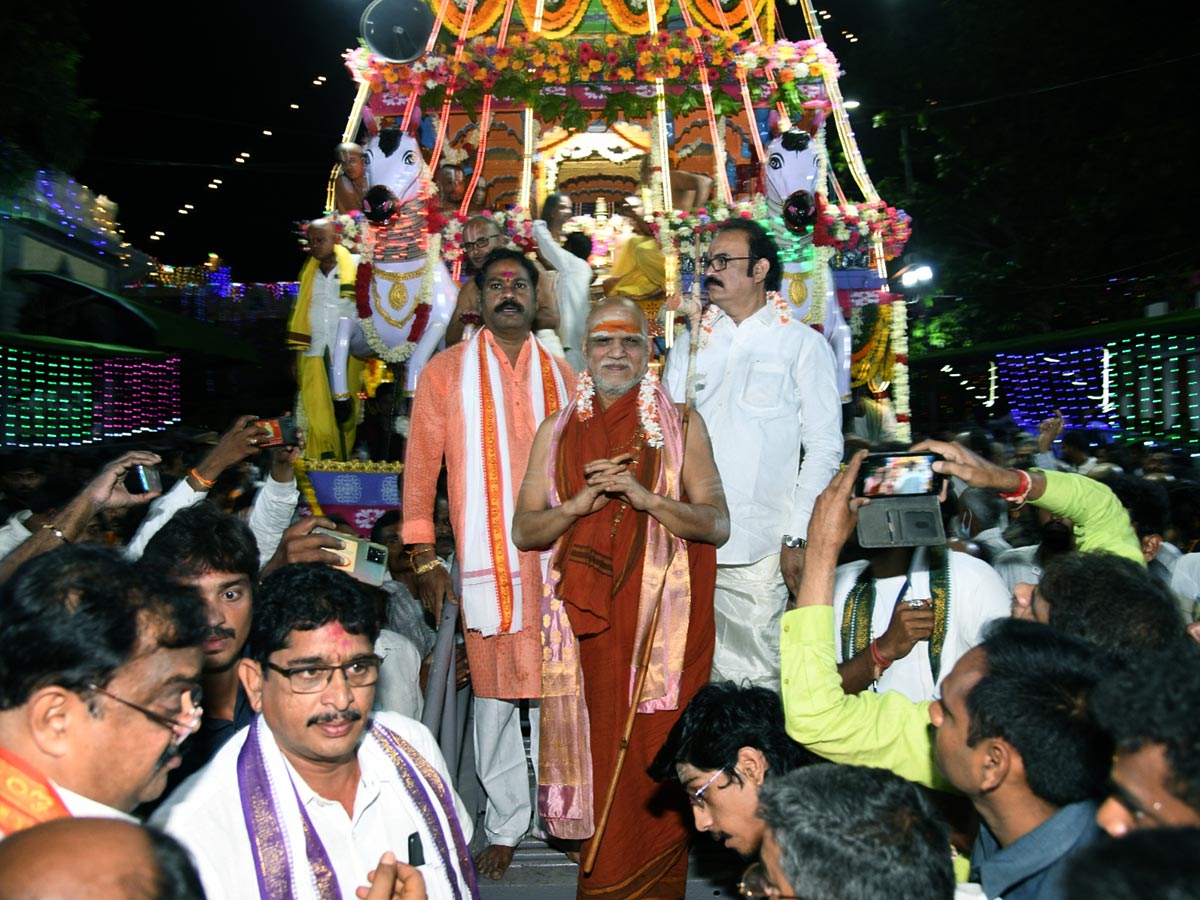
(205, 815)
(977, 595)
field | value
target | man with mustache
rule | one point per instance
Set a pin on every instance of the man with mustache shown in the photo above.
(478, 405)
(313, 781)
(99, 665)
(624, 492)
(765, 385)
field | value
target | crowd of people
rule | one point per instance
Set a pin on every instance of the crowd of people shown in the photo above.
(659, 579)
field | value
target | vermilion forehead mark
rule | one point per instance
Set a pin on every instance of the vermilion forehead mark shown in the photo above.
(339, 635)
(617, 326)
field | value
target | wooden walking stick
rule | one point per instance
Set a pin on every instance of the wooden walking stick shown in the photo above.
(589, 861)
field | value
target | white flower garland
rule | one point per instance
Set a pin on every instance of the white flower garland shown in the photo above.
(585, 392)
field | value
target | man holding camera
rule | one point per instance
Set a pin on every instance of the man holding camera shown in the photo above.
(765, 384)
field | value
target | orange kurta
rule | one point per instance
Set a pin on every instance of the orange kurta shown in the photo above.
(506, 665)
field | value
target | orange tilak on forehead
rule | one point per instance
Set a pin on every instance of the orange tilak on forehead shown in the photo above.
(616, 326)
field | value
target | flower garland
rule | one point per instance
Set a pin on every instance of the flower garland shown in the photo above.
(782, 308)
(527, 63)
(900, 390)
(854, 225)
(349, 227)
(585, 392)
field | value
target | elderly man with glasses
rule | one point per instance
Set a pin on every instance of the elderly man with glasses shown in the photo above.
(766, 386)
(481, 235)
(318, 779)
(99, 686)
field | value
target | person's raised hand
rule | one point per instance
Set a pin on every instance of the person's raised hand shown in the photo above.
(283, 459)
(972, 468)
(236, 445)
(393, 880)
(835, 513)
(909, 624)
(107, 490)
(1049, 431)
(300, 544)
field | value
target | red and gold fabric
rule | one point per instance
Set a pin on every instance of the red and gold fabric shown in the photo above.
(27, 797)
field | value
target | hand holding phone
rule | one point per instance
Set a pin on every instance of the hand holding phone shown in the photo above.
(898, 475)
(363, 560)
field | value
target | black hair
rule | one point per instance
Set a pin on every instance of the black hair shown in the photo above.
(305, 597)
(1163, 863)
(554, 201)
(857, 833)
(391, 517)
(202, 539)
(1184, 498)
(722, 718)
(578, 244)
(176, 877)
(1147, 501)
(73, 616)
(1078, 439)
(503, 253)
(1157, 701)
(987, 508)
(1111, 602)
(762, 246)
(1035, 696)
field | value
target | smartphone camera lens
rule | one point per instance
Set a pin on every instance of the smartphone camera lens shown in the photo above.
(376, 555)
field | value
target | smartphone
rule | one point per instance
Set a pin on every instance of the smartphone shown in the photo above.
(283, 432)
(898, 475)
(143, 479)
(367, 561)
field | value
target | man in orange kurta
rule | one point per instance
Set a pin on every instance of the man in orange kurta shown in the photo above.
(478, 405)
(632, 502)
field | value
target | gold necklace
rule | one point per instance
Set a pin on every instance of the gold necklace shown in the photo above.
(397, 297)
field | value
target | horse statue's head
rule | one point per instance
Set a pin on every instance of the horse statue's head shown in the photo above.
(394, 161)
(792, 166)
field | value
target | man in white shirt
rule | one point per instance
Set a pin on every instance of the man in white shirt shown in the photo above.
(574, 275)
(766, 386)
(327, 293)
(99, 682)
(921, 607)
(313, 780)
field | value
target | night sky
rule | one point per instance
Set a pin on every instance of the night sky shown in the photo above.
(181, 94)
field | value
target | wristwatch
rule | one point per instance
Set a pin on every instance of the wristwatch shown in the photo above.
(794, 543)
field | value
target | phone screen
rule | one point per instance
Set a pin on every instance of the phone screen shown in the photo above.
(898, 475)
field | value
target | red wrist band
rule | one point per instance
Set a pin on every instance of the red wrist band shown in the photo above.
(880, 660)
(1018, 496)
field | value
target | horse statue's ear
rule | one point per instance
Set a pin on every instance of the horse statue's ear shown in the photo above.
(796, 140)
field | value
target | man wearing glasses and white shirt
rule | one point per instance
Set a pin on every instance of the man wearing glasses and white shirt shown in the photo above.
(766, 386)
(314, 780)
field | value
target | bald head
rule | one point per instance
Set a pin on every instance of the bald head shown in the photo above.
(617, 347)
(95, 859)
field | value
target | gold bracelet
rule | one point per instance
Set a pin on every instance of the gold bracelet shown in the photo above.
(49, 526)
(427, 567)
(413, 554)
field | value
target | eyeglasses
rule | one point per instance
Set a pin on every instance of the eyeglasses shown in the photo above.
(756, 886)
(719, 262)
(697, 798)
(481, 243)
(362, 671)
(186, 725)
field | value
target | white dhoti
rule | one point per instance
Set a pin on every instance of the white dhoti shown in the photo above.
(748, 603)
(500, 762)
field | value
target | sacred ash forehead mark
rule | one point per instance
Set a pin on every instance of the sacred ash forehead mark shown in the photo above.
(615, 326)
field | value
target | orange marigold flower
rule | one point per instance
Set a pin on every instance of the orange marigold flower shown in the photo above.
(594, 65)
(786, 75)
(611, 40)
(672, 71)
(814, 70)
(692, 32)
(625, 73)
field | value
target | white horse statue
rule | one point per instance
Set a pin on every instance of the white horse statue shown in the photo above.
(794, 167)
(404, 277)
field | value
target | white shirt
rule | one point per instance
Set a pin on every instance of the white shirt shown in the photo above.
(205, 815)
(977, 595)
(574, 292)
(81, 807)
(14, 533)
(765, 388)
(399, 686)
(1185, 584)
(270, 515)
(325, 308)
(1020, 565)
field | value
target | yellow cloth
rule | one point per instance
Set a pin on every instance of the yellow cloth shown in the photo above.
(324, 438)
(299, 327)
(639, 269)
